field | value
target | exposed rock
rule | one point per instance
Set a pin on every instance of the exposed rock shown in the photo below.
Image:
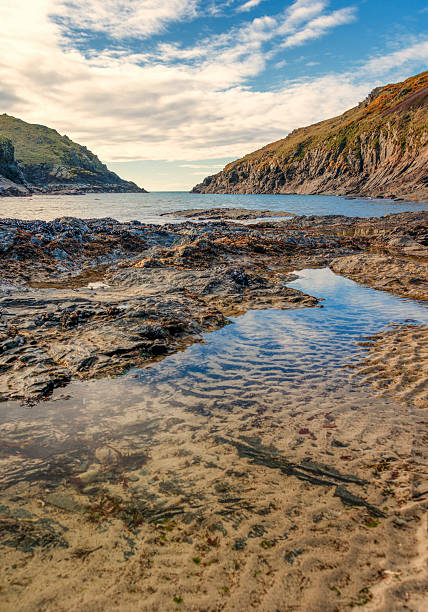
(12, 180)
(377, 149)
(37, 159)
(238, 214)
(159, 289)
(408, 278)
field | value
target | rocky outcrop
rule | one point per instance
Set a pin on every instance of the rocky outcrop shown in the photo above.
(8, 166)
(407, 277)
(12, 180)
(378, 149)
(157, 290)
(37, 159)
(85, 298)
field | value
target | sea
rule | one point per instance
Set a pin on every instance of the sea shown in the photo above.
(149, 207)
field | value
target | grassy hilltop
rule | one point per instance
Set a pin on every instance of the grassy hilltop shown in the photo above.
(49, 160)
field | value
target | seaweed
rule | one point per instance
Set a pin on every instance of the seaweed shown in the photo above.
(349, 499)
(83, 553)
(307, 471)
(133, 513)
(27, 534)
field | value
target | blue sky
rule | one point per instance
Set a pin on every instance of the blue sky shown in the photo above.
(168, 91)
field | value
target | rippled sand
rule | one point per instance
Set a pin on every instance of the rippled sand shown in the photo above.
(397, 363)
(227, 477)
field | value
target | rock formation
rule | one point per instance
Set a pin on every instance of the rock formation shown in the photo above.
(86, 298)
(12, 180)
(377, 149)
(37, 159)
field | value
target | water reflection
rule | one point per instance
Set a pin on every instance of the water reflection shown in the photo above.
(266, 360)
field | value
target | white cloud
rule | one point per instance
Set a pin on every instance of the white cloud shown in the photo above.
(414, 53)
(123, 18)
(319, 26)
(201, 166)
(176, 103)
(301, 11)
(249, 5)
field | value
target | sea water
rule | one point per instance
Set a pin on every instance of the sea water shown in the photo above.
(149, 207)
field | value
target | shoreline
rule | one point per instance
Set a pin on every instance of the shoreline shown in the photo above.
(69, 190)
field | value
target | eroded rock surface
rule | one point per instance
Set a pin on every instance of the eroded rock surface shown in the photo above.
(91, 298)
(406, 277)
(239, 214)
(377, 149)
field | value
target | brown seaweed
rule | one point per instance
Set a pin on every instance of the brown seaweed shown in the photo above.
(308, 470)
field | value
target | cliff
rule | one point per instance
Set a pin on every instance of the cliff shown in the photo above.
(37, 159)
(377, 149)
(12, 180)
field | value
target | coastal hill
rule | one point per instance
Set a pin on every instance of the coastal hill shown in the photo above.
(377, 149)
(37, 159)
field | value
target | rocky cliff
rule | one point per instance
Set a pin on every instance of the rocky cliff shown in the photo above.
(377, 149)
(37, 159)
(11, 177)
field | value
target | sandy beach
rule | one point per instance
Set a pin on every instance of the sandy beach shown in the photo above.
(213, 306)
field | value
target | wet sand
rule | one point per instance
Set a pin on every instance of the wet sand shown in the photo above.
(397, 363)
(233, 530)
(299, 489)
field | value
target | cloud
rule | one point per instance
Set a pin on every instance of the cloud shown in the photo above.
(8, 98)
(414, 53)
(249, 5)
(174, 102)
(123, 18)
(301, 11)
(239, 53)
(319, 26)
(201, 166)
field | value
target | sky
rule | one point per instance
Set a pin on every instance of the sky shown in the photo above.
(167, 92)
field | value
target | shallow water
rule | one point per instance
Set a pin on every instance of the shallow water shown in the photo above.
(265, 359)
(148, 206)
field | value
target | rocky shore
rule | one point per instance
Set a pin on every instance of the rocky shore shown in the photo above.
(92, 298)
